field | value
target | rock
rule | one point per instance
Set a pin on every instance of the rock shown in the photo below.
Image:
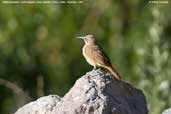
(94, 93)
(168, 111)
(41, 106)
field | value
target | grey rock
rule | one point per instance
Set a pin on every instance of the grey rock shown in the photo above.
(167, 111)
(94, 93)
(43, 105)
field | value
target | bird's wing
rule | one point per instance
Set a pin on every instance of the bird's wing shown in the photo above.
(98, 55)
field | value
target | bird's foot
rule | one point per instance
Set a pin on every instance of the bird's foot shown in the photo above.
(93, 69)
(99, 69)
(96, 69)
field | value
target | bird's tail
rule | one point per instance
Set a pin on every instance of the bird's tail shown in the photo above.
(114, 72)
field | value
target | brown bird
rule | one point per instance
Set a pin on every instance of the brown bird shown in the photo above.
(95, 56)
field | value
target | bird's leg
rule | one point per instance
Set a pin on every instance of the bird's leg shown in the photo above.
(99, 68)
(94, 67)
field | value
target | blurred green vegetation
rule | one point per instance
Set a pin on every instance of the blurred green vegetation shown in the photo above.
(39, 54)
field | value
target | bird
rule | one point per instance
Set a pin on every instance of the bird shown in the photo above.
(95, 55)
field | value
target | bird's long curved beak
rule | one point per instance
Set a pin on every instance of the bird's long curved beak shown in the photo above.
(81, 37)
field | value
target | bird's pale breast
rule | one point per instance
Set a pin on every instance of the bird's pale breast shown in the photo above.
(86, 53)
(95, 56)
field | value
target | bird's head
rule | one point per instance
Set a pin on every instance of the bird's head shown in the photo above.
(88, 39)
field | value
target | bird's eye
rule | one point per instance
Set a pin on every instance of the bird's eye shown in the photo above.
(86, 39)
